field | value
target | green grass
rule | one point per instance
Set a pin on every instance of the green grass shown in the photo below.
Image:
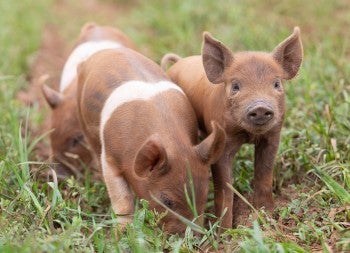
(312, 168)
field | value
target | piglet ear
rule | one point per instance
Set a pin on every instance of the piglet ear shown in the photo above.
(211, 148)
(52, 97)
(151, 158)
(289, 54)
(216, 58)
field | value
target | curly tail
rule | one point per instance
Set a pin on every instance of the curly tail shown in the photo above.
(169, 58)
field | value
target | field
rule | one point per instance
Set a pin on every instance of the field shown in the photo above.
(312, 169)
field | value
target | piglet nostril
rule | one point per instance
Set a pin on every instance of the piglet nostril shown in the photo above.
(252, 115)
(269, 114)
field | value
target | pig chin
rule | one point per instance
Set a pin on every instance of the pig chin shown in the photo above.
(258, 129)
(175, 227)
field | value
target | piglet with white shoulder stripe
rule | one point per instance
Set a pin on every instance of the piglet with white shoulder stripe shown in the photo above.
(144, 130)
(68, 146)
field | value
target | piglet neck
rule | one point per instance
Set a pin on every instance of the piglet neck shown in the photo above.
(138, 185)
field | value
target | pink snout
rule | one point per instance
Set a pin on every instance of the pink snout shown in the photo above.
(259, 113)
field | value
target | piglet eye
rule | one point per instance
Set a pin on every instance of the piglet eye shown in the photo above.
(277, 84)
(235, 86)
(169, 203)
(166, 201)
(77, 140)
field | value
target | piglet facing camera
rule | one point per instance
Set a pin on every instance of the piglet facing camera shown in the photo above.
(244, 92)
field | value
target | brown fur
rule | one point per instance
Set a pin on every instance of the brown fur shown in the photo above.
(238, 91)
(149, 144)
(68, 146)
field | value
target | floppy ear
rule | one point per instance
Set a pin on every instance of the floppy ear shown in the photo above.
(216, 57)
(289, 54)
(151, 158)
(211, 148)
(52, 97)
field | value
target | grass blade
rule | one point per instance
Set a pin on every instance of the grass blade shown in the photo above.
(186, 221)
(334, 186)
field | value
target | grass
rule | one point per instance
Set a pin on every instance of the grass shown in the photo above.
(312, 168)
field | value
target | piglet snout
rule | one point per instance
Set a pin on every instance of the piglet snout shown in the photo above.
(259, 113)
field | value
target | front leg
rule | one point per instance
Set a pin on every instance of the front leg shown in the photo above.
(265, 153)
(222, 175)
(121, 197)
(223, 196)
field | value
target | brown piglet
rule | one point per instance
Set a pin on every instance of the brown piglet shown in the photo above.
(144, 131)
(244, 93)
(68, 146)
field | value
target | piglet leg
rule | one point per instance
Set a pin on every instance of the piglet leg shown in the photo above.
(265, 153)
(223, 196)
(122, 199)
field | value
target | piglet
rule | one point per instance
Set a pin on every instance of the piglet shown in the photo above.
(68, 146)
(144, 131)
(244, 93)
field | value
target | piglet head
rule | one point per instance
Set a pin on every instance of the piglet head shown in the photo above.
(68, 147)
(165, 172)
(254, 94)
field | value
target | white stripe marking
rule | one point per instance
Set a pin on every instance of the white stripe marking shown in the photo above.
(127, 92)
(80, 54)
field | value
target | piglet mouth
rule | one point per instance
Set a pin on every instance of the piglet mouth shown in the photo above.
(261, 123)
(66, 167)
(258, 129)
(175, 228)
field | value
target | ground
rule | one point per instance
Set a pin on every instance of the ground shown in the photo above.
(57, 39)
(50, 59)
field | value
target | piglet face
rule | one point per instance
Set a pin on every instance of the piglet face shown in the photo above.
(169, 189)
(254, 95)
(68, 145)
(165, 171)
